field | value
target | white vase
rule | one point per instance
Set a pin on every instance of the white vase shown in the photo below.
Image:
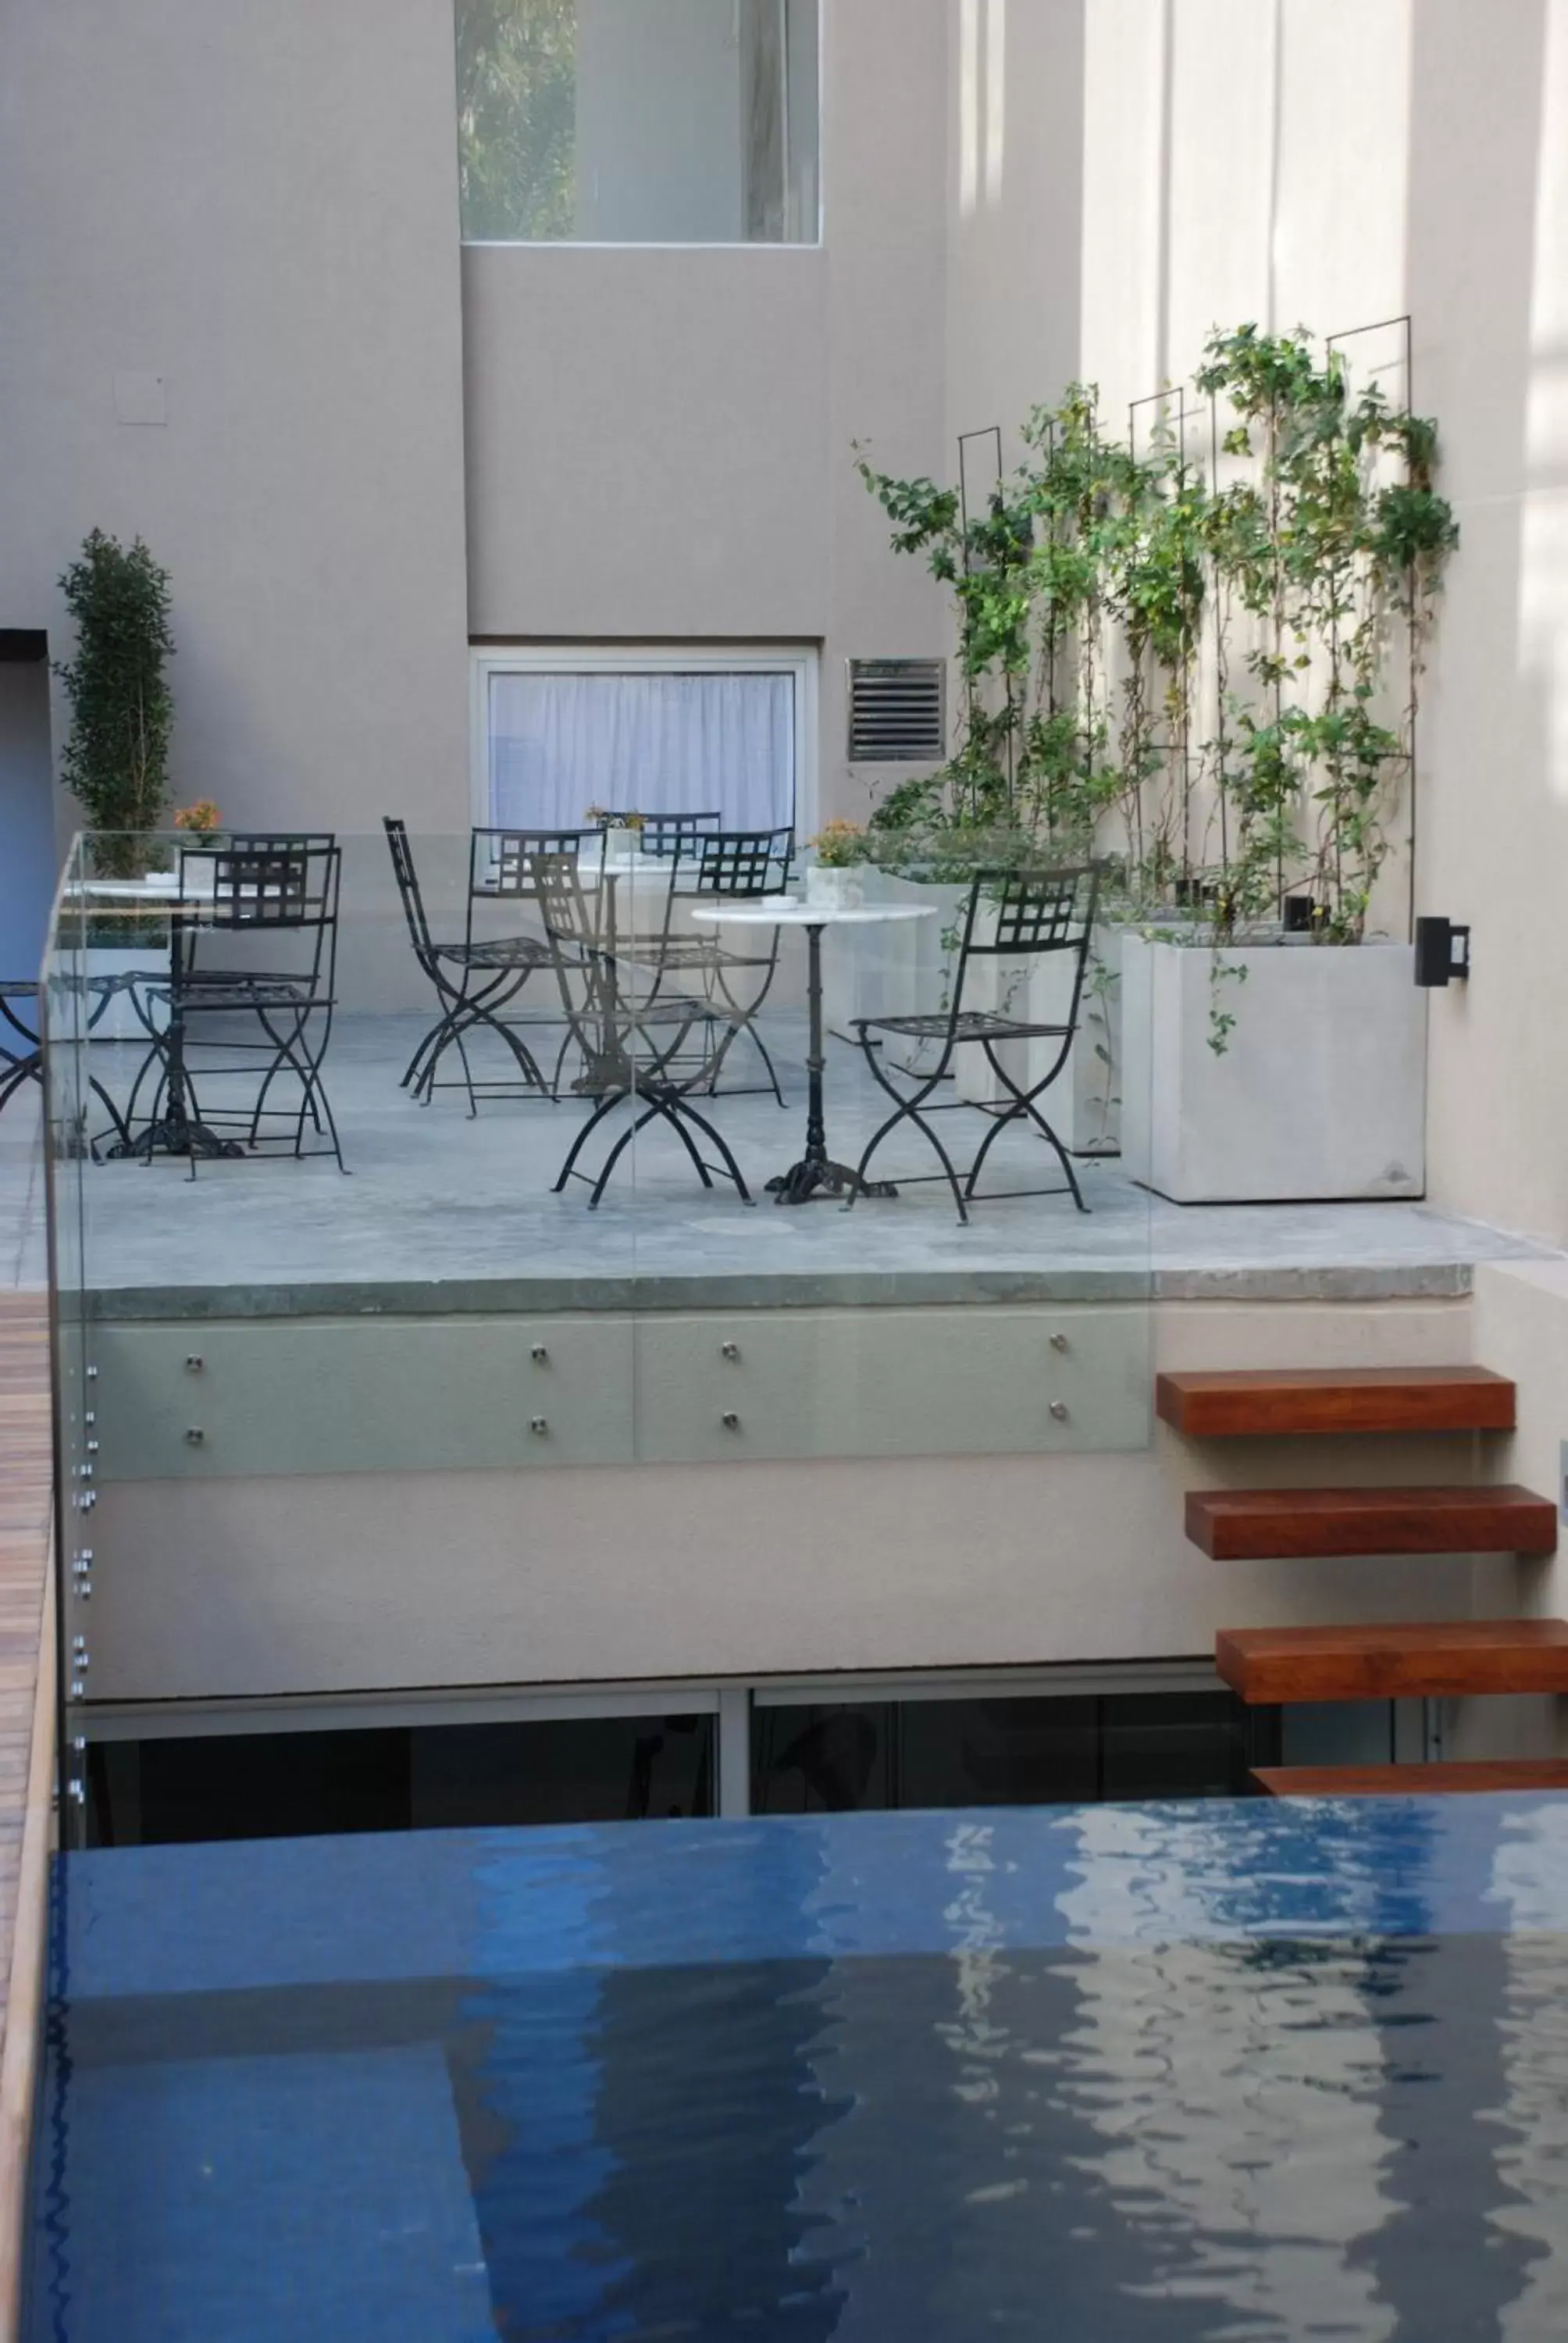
(834, 891)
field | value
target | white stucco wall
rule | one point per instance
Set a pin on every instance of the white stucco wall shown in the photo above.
(258, 206)
(660, 442)
(1327, 163)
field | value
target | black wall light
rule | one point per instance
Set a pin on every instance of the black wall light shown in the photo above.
(1442, 952)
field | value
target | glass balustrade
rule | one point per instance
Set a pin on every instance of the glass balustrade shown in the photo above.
(428, 1223)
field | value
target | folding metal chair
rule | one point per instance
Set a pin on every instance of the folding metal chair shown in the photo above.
(475, 977)
(1013, 917)
(631, 1042)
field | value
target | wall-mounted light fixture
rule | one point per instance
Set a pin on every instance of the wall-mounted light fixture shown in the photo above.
(1442, 952)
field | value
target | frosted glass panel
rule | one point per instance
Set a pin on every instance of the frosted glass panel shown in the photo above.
(638, 121)
(560, 744)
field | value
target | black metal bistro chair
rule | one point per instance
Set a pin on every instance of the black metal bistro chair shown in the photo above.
(21, 1022)
(731, 866)
(500, 872)
(253, 944)
(661, 834)
(1015, 918)
(633, 1046)
(475, 977)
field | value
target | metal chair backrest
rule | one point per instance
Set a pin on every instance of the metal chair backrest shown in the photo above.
(408, 878)
(1021, 915)
(261, 883)
(666, 835)
(1034, 911)
(746, 863)
(498, 859)
(570, 923)
(265, 885)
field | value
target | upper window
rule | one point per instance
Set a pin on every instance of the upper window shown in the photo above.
(638, 121)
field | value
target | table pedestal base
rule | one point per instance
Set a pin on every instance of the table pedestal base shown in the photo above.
(804, 1181)
(176, 1134)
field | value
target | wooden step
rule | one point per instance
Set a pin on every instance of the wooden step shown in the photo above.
(1263, 1664)
(1267, 1525)
(1460, 1778)
(1245, 1404)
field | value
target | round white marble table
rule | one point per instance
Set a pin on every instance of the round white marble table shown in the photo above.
(816, 1174)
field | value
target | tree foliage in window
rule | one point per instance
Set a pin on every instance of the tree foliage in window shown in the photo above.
(517, 118)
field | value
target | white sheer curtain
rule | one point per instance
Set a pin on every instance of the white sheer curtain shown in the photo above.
(642, 743)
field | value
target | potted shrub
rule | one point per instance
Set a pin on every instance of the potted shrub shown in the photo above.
(116, 755)
(833, 879)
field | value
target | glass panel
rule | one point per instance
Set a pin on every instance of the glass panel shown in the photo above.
(824, 1760)
(897, 1234)
(996, 1753)
(1005, 1750)
(421, 1777)
(410, 1196)
(64, 1011)
(1176, 1745)
(638, 121)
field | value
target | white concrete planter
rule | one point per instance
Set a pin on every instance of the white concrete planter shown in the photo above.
(1319, 1093)
(120, 1021)
(835, 890)
(1084, 1103)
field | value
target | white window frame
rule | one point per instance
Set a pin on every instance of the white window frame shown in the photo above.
(802, 663)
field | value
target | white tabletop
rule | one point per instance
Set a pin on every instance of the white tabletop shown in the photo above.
(792, 911)
(158, 887)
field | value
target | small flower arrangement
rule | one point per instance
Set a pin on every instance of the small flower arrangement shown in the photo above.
(606, 819)
(203, 818)
(840, 845)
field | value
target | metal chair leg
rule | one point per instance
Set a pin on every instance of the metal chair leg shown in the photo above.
(907, 1111)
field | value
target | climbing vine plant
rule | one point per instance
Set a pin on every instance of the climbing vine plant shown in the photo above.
(1206, 671)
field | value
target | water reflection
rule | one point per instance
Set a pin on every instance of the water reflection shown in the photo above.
(1173, 2117)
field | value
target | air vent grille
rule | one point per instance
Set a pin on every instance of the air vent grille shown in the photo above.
(896, 711)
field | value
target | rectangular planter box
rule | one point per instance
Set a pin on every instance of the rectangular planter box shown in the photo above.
(1319, 1093)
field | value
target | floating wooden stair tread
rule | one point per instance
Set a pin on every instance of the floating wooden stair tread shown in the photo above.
(1266, 1525)
(1247, 1404)
(1263, 1664)
(1459, 1778)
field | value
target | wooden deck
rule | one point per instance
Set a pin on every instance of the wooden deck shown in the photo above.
(27, 1749)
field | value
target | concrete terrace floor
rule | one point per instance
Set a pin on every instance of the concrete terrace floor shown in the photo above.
(444, 1212)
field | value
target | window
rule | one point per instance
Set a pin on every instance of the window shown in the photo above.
(555, 736)
(638, 121)
(422, 1777)
(1057, 1749)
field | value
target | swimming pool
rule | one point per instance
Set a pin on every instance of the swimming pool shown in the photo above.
(1239, 2070)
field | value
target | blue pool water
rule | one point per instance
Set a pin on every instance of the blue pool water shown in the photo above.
(1245, 2071)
